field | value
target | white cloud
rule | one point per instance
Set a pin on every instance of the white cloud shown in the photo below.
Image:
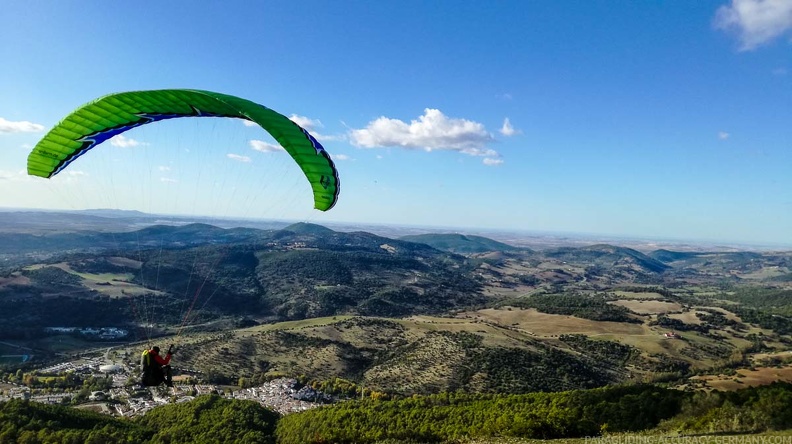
(76, 173)
(168, 180)
(432, 131)
(340, 157)
(164, 168)
(123, 142)
(238, 158)
(723, 135)
(13, 176)
(505, 96)
(507, 129)
(306, 122)
(248, 122)
(492, 162)
(311, 125)
(756, 22)
(479, 152)
(264, 147)
(326, 138)
(23, 126)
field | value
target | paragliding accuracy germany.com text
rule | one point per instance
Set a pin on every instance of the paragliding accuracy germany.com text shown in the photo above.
(741, 439)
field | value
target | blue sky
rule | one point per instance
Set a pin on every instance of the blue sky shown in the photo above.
(642, 119)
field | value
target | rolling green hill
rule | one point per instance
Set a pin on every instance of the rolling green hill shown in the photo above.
(652, 413)
(609, 256)
(459, 243)
(405, 317)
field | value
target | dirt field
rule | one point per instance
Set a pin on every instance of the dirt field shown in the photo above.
(125, 262)
(726, 313)
(648, 307)
(112, 284)
(688, 317)
(747, 378)
(765, 273)
(549, 325)
(287, 325)
(499, 335)
(15, 279)
(645, 338)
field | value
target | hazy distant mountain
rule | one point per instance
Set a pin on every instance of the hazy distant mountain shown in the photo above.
(671, 256)
(107, 212)
(160, 236)
(50, 221)
(281, 274)
(308, 228)
(459, 243)
(609, 256)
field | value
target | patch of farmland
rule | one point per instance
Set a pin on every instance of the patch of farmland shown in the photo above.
(747, 378)
(688, 317)
(648, 306)
(638, 295)
(545, 324)
(14, 279)
(125, 262)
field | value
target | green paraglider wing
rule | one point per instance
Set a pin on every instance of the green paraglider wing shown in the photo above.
(108, 116)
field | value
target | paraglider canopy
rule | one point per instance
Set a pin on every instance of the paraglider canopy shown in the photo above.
(111, 115)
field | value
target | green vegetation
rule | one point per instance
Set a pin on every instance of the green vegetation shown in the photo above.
(453, 416)
(206, 419)
(459, 243)
(445, 417)
(52, 276)
(211, 419)
(610, 256)
(515, 370)
(604, 351)
(744, 411)
(768, 307)
(30, 422)
(772, 300)
(480, 368)
(594, 307)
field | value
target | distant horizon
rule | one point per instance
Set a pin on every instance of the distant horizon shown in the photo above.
(500, 233)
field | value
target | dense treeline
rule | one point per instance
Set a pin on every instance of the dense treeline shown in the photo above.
(205, 419)
(52, 276)
(774, 300)
(514, 370)
(610, 351)
(593, 307)
(96, 265)
(449, 416)
(670, 323)
(750, 410)
(777, 323)
(30, 422)
(437, 418)
(285, 274)
(212, 419)
(770, 308)
(21, 318)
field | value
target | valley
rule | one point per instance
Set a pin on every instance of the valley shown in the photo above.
(452, 312)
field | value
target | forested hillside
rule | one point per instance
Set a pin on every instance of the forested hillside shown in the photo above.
(445, 417)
